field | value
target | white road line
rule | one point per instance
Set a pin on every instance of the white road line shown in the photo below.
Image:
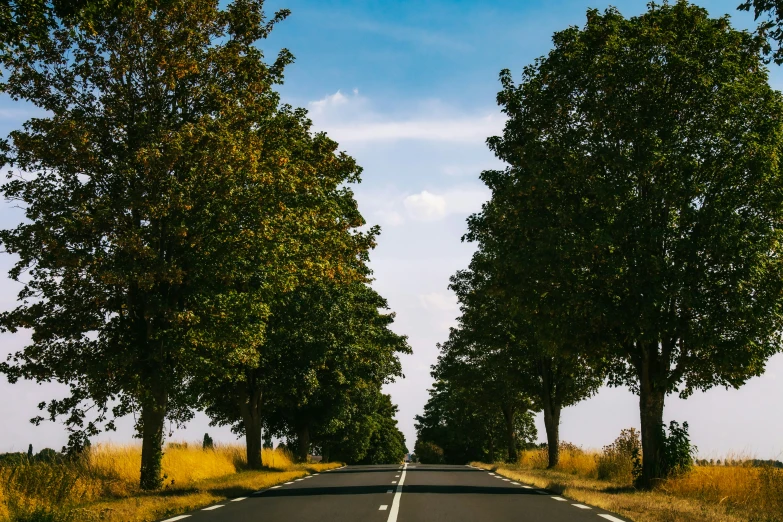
(275, 487)
(610, 517)
(389, 491)
(396, 476)
(298, 480)
(528, 487)
(210, 508)
(394, 481)
(288, 483)
(383, 507)
(581, 506)
(395, 509)
(316, 474)
(176, 518)
(560, 499)
(238, 499)
(492, 474)
(506, 480)
(516, 483)
(542, 492)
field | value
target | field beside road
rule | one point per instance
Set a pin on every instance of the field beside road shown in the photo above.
(103, 484)
(720, 493)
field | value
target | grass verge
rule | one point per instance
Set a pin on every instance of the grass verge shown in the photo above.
(711, 493)
(103, 485)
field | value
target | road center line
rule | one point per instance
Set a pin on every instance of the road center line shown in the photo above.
(395, 509)
(610, 517)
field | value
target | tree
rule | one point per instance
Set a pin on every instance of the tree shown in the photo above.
(168, 197)
(646, 151)
(328, 350)
(519, 367)
(771, 27)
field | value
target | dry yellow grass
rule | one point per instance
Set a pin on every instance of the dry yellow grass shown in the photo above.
(707, 493)
(104, 484)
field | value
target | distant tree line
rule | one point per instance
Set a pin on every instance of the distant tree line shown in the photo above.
(189, 242)
(633, 238)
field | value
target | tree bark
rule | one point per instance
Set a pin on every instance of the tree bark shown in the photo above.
(651, 402)
(552, 425)
(511, 436)
(303, 435)
(551, 407)
(250, 406)
(153, 417)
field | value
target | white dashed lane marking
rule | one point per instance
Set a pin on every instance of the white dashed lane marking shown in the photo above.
(383, 507)
(238, 499)
(176, 518)
(288, 483)
(581, 506)
(389, 491)
(506, 480)
(610, 517)
(560, 499)
(394, 481)
(210, 508)
(516, 483)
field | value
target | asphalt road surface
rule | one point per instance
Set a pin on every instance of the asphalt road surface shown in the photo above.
(410, 493)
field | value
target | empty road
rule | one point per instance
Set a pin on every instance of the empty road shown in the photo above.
(411, 493)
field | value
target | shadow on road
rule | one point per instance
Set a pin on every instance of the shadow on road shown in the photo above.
(372, 490)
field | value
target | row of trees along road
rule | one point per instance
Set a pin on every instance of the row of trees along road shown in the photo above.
(635, 235)
(189, 242)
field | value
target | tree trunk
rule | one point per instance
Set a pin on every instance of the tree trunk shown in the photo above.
(551, 408)
(511, 436)
(303, 436)
(552, 425)
(651, 401)
(153, 417)
(250, 406)
(491, 448)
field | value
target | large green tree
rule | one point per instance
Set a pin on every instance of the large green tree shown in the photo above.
(524, 352)
(646, 152)
(328, 350)
(168, 196)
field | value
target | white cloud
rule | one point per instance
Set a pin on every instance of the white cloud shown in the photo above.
(352, 119)
(439, 301)
(474, 129)
(425, 206)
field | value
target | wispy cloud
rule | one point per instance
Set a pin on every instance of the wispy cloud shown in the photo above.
(352, 119)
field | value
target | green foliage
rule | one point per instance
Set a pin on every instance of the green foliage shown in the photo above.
(169, 198)
(678, 453)
(621, 461)
(208, 442)
(428, 452)
(641, 211)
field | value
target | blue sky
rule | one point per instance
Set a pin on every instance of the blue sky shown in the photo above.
(408, 88)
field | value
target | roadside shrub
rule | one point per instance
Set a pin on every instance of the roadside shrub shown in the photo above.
(678, 453)
(621, 461)
(208, 442)
(429, 452)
